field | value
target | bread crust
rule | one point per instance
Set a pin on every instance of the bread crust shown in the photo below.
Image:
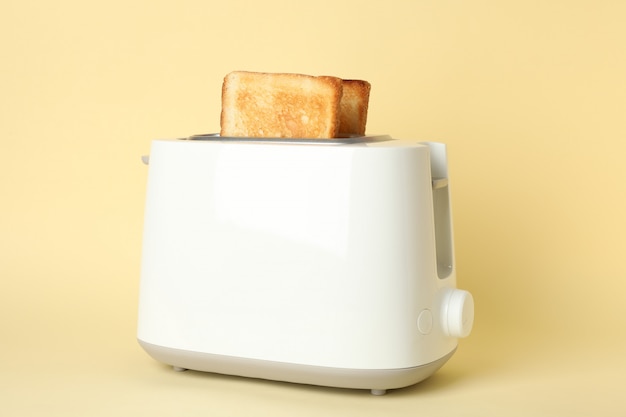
(282, 105)
(353, 107)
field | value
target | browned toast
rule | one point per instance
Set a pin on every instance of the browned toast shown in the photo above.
(353, 107)
(256, 104)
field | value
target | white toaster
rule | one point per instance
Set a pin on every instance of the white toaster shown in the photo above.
(325, 262)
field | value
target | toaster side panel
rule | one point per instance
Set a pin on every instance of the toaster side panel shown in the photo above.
(312, 255)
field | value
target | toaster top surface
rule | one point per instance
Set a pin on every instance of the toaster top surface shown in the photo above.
(348, 140)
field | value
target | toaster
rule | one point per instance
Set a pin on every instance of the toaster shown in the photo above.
(324, 262)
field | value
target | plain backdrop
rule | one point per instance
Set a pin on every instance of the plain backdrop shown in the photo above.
(529, 96)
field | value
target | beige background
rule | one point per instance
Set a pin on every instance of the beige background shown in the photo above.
(530, 96)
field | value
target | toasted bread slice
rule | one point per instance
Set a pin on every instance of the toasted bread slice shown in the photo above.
(353, 107)
(256, 104)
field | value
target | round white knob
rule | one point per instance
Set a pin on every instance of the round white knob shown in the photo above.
(457, 313)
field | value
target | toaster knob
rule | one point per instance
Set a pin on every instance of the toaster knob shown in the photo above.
(457, 311)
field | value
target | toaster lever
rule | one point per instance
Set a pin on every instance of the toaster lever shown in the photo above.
(439, 183)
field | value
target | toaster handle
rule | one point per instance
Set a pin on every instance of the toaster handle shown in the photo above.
(439, 183)
(145, 159)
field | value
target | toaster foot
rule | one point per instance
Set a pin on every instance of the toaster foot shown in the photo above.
(379, 391)
(179, 369)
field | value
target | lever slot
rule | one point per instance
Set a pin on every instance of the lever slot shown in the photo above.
(443, 227)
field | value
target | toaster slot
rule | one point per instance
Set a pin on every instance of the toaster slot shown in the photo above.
(344, 140)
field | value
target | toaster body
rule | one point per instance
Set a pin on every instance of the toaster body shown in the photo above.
(318, 263)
